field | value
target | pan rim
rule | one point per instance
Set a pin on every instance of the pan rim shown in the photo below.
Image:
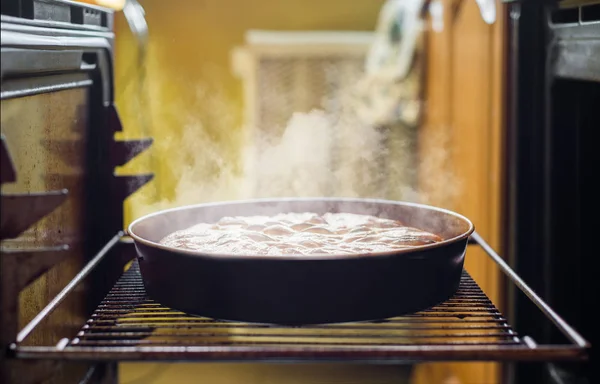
(152, 244)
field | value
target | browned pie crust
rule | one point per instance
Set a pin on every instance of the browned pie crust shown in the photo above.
(300, 234)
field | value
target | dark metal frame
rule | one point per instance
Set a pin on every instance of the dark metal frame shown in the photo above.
(51, 46)
(554, 71)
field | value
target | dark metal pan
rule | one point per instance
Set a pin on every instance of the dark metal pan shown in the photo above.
(298, 290)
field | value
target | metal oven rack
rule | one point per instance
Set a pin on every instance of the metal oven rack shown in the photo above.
(127, 325)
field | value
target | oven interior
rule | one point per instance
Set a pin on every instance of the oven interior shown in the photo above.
(62, 217)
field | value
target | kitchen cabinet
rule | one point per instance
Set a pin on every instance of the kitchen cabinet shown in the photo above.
(460, 145)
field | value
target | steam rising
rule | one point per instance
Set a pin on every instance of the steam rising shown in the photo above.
(326, 152)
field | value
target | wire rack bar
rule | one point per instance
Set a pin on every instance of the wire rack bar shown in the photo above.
(127, 325)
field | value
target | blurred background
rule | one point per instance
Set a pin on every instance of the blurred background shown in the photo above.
(370, 98)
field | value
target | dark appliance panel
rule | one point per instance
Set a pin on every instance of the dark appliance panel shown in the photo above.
(555, 106)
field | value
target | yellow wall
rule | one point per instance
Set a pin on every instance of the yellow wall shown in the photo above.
(189, 53)
(190, 43)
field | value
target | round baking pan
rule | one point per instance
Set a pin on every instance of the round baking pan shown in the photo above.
(297, 290)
